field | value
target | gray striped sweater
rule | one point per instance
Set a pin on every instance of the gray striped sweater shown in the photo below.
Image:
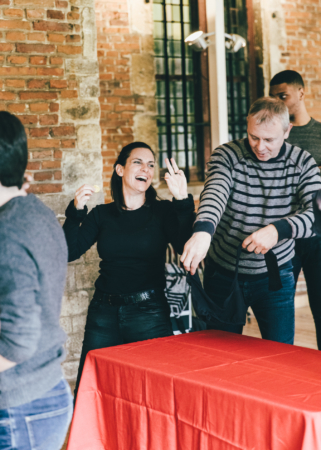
(242, 194)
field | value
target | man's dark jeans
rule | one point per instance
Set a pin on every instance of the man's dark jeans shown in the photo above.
(274, 310)
(107, 325)
(308, 257)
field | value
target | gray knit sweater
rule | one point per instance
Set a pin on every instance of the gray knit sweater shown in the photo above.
(308, 137)
(243, 194)
(33, 262)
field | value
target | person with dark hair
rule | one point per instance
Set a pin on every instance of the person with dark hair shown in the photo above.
(35, 400)
(288, 86)
(132, 234)
(257, 197)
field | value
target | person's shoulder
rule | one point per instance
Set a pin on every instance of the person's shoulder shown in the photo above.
(41, 222)
(162, 207)
(30, 224)
(233, 151)
(105, 208)
(161, 204)
(292, 151)
(103, 211)
(316, 125)
(38, 212)
(298, 155)
(29, 209)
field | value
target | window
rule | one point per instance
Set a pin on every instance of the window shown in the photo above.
(179, 99)
(238, 96)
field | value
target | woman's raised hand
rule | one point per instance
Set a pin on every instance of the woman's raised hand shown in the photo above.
(176, 180)
(82, 196)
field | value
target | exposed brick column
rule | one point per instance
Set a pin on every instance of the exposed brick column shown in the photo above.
(127, 82)
(35, 43)
(291, 40)
(303, 48)
(116, 101)
(49, 79)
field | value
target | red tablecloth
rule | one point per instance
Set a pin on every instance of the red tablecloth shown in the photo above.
(209, 390)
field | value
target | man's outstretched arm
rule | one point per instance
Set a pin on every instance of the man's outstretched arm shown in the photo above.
(195, 250)
(213, 201)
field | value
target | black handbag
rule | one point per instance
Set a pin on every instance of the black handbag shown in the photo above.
(234, 308)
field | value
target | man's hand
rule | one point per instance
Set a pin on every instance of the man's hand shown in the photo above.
(195, 250)
(262, 240)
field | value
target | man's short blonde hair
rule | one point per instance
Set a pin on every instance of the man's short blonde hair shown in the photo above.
(266, 109)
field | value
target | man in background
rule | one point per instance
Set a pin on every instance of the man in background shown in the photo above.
(288, 86)
(35, 400)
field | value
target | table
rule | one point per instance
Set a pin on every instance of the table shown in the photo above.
(209, 390)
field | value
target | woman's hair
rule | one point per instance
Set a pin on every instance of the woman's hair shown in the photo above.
(13, 150)
(116, 182)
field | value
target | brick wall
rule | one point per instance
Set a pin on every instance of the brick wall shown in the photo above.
(34, 44)
(302, 50)
(127, 80)
(117, 103)
(291, 40)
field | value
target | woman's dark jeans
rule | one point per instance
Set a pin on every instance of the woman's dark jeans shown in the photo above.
(108, 325)
(274, 310)
(308, 257)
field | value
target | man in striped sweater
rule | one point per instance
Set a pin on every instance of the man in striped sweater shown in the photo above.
(258, 193)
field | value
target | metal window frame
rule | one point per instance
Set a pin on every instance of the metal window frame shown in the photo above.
(231, 60)
(202, 135)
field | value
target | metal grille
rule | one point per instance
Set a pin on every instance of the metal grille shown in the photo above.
(175, 79)
(238, 97)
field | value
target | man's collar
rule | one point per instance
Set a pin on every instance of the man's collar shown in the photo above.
(276, 159)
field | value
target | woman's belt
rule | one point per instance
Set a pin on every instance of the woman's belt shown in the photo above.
(129, 299)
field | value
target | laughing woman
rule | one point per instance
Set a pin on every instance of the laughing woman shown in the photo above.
(132, 234)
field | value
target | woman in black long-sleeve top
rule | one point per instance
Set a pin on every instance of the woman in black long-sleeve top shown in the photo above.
(132, 234)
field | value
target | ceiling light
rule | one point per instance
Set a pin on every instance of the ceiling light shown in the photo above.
(199, 41)
(234, 42)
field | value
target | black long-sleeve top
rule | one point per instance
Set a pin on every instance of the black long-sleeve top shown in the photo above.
(132, 244)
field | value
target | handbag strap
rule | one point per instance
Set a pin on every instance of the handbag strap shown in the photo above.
(275, 283)
(238, 255)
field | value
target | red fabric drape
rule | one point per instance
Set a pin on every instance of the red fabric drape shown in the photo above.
(209, 390)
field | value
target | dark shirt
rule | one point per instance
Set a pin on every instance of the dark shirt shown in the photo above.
(317, 213)
(131, 244)
(33, 266)
(308, 137)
